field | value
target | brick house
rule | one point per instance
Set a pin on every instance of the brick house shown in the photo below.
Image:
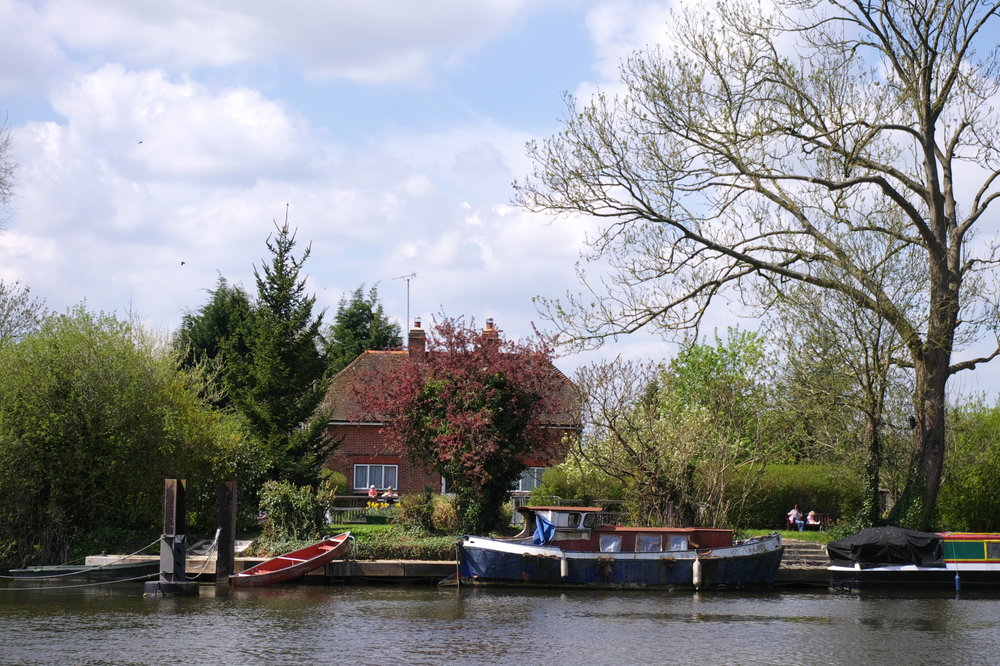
(366, 458)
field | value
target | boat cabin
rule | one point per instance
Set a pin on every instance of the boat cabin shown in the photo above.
(578, 528)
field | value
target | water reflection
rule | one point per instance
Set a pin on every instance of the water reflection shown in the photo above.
(427, 625)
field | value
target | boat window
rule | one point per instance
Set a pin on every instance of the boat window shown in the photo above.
(589, 520)
(611, 543)
(678, 543)
(993, 550)
(647, 543)
(572, 520)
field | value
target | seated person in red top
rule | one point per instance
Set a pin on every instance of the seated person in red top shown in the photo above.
(372, 492)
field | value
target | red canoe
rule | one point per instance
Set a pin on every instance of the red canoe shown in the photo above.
(294, 564)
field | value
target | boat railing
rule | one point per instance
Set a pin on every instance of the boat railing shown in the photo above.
(611, 514)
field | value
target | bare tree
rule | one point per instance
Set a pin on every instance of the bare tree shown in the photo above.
(6, 165)
(19, 311)
(726, 161)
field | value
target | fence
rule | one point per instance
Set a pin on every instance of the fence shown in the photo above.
(350, 508)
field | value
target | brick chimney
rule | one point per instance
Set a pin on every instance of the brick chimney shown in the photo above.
(491, 336)
(417, 341)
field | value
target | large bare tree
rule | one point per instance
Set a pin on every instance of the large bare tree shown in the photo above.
(6, 166)
(733, 156)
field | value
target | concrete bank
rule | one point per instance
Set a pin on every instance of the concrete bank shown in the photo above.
(803, 565)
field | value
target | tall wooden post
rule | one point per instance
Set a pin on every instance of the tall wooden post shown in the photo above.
(226, 555)
(173, 544)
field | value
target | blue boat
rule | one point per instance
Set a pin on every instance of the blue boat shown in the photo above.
(567, 547)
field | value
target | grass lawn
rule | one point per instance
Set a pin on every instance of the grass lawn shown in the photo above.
(396, 542)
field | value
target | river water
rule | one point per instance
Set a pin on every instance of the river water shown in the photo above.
(397, 625)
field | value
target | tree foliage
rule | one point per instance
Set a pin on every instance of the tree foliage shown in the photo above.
(471, 408)
(216, 333)
(93, 416)
(264, 358)
(679, 437)
(841, 385)
(773, 142)
(969, 499)
(282, 377)
(360, 324)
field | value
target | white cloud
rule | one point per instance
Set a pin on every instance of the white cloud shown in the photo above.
(371, 41)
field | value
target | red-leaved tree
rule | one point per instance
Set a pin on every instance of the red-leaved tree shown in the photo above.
(471, 407)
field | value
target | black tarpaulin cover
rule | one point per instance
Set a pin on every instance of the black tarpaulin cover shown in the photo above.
(881, 546)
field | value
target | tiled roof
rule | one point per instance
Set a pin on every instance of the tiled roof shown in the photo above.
(342, 409)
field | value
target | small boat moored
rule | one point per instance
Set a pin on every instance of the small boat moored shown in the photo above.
(118, 571)
(294, 564)
(892, 557)
(565, 546)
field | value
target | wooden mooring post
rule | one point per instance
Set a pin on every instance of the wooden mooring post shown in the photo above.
(226, 546)
(173, 545)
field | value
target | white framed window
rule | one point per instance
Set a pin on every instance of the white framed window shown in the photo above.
(610, 543)
(380, 476)
(530, 479)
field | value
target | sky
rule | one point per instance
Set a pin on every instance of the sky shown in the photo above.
(158, 145)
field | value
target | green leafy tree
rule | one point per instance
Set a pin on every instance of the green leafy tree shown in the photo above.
(214, 334)
(94, 414)
(680, 437)
(729, 160)
(360, 324)
(969, 499)
(471, 408)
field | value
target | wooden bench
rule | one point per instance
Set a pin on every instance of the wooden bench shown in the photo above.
(823, 519)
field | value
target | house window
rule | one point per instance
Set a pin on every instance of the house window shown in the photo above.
(380, 476)
(530, 479)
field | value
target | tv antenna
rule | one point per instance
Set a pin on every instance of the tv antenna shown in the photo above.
(407, 278)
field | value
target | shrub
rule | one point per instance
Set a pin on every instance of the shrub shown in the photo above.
(398, 542)
(416, 510)
(290, 514)
(573, 481)
(444, 515)
(331, 483)
(428, 512)
(829, 489)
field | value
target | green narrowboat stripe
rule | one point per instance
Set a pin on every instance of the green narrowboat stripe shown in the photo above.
(964, 550)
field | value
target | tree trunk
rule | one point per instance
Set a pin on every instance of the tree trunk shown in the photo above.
(915, 508)
(872, 508)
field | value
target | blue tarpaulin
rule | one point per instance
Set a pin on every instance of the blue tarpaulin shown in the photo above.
(544, 531)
